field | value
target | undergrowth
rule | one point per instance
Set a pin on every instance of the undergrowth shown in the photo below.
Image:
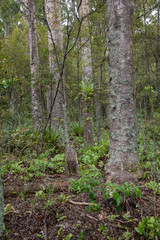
(21, 157)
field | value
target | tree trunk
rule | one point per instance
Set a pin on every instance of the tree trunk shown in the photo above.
(12, 92)
(86, 75)
(1, 206)
(158, 55)
(8, 29)
(34, 65)
(123, 162)
(55, 42)
(1, 191)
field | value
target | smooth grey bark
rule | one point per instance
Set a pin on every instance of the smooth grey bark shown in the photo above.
(34, 65)
(53, 13)
(86, 75)
(123, 161)
(1, 206)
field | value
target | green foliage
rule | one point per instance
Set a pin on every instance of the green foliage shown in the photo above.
(112, 217)
(110, 238)
(75, 131)
(57, 163)
(6, 231)
(12, 167)
(149, 228)
(45, 192)
(17, 140)
(49, 204)
(149, 153)
(81, 236)
(39, 165)
(127, 217)
(118, 192)
(59, 231)
(154, 186)
(40, 236)
(89, 182)
(51, 201)
(63, 198)
(91, 155)
(87, 89)
(127, 235)
(52, 137)
(8, 209)
(68, 237)
(60, 217)
(102, 229)
(29, 166)
(8, 8)
(93, 207)
(41, 193)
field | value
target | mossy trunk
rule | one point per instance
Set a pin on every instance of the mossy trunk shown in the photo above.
(123, 161)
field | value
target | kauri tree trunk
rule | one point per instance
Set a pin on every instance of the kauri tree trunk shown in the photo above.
(158, 54)
(34, 65)
(123, 161)
(86, 76)
(55, 42)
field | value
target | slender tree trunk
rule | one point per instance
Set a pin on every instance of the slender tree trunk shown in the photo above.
(12, 93)
(1, 206)
(158, 54)
(98, 106)
(12, 98)
(8, 29)
(78, 81)
(34, 65)
(86, 75)
(148, 74)
(123, 161)
(53, 12)
(1, 190)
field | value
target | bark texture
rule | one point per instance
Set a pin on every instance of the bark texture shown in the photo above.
(158, 54)
(1, 206)
(34, 65)
(86, 74)
(123, 161)
(55, 42)
(71, 160)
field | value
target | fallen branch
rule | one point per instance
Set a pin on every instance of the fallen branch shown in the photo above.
(79, 203)
(32, 188)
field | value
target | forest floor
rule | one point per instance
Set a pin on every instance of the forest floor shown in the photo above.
(62, 214)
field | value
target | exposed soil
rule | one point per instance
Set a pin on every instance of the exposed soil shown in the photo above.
(28, 219)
